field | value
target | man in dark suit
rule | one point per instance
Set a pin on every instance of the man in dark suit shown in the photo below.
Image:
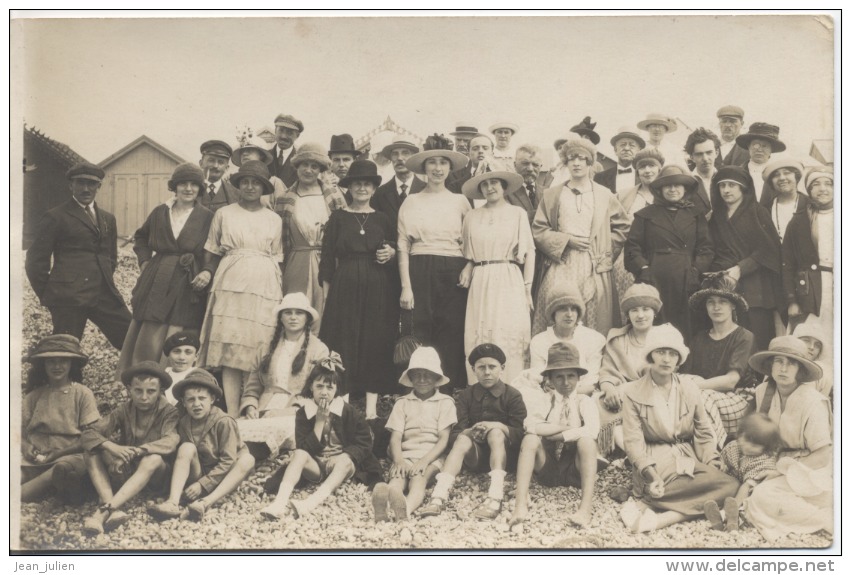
(623, 176)
(215, 160)
(481, 152)
(527, 163)
(702, 148)
(389, 197)
(342, 153)
(731, 119)
(287, 131)
(82, 240)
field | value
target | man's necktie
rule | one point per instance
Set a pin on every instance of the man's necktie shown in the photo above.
(212, 188)
(404, 188)
(624, 171)
(91, 213)
(533, 197)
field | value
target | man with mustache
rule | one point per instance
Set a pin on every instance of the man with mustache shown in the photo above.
(287, 131)
(623, 176)
(730, 120)
(389, 197)
(217, 192)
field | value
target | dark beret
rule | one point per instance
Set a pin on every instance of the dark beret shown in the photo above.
(487, 350)
(181, 338)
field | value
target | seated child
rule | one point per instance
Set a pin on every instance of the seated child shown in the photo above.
(419, 424)
(211, 456)
(748, 459)
(333, 443)
(147, 433)
(181, 351)
(487, 435)
(559, 416)
(56, 409)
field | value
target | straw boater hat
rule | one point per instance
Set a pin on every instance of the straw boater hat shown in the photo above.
(256, 169)
(512, 181)
(563, 355)
(640, 295)
(721, 285)
(256, 144)
(565, 295)
(666, 336)
(296, 300)
(657, 119)
(312, 152)
(416, 163)
(147, 367)
(399, 142)
(763, 131)
(187, 172)
(791, 347)
(424, 358)
(627, 132)
(506, 125)
(465, 129)
(361, 170)
(777, 162)
(673, 175)
(816, 173)
(58, 345)
(197, 377)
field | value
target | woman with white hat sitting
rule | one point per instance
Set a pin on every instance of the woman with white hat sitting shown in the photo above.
(798, 497)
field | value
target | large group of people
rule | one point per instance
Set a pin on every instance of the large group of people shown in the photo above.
(562, 319)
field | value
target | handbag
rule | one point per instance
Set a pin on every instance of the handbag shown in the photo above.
(406, 343)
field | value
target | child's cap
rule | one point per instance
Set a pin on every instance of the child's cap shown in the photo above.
(148, 367)
(486, 350)
(181, 338)
(197, 377)
(424, 358)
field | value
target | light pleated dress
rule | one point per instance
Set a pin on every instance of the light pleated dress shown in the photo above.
(245, 289)
(497, 311)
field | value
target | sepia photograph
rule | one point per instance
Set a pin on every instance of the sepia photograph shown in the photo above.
(375, 281)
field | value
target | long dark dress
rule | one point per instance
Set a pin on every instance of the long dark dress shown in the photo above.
(675, 245)
(362, 307)
(162, 293)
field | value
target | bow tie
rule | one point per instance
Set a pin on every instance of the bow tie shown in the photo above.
(625, 171)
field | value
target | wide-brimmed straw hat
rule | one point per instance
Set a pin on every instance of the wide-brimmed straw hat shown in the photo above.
(512, 181)
(416, 163)
(296, 300)
(563, 355)
(147, 367)
(361, 170)
(666, 336)
(673, 175)
(657, 119)
(791, 347)
(763, 131)
(506, 125)
(256, 144)
(312, 152)
(254, 169)
(721, 285)
(197, 377)
(58, 345)
(186, 172)
(424, 358)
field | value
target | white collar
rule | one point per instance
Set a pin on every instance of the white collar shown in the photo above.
(85, 208)
(216, 185)
(408, 183)
(310, 407)
(436, 397)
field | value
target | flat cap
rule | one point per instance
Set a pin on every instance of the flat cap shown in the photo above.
(85, 171)
(733, 111)
(288, 121)
(217, 148)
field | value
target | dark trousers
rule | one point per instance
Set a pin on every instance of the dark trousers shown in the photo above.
(110, 315)
(760, 322)
(439, 310)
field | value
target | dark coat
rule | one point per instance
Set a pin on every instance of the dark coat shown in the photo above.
(520, 197)
(677, 249)
(769, 194)
(736, 156)
(162, 293)
(456, 180)
(501, 403)
(286, 171)
(354, 434)
(386, 198)
(801, 276)
(84, 257)
(608, 178)
(225, 196)
(700, 198)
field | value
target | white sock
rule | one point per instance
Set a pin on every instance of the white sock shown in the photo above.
(497, 487)
(445, 482)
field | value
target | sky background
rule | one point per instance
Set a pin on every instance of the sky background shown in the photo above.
(98, 84)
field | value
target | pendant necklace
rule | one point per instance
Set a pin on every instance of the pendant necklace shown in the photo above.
(357, 219)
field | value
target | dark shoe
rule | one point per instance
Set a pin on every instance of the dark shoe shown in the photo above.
(488, 509)
(713, 514)
(731, 510)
